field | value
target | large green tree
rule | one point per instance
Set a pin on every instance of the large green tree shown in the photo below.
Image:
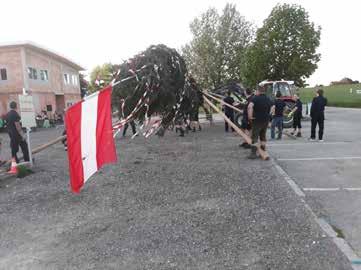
(215, 53)
(284, 48)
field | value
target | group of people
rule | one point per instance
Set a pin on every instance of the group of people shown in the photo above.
(43, 119)
(277, 115)
(259, 111)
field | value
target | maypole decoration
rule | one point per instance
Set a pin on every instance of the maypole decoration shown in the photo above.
(159, 86)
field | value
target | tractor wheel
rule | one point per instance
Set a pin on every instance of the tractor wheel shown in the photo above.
(238, 119)
(288, 121)
(238, 115)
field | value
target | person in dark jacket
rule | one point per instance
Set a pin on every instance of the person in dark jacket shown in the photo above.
(258, 114)
(318, 115)
(277, 113)
(64, 141)
(17, 137)
(297, 117)
(197, 102)
(228, 111)
(246, 125)
(122, 116)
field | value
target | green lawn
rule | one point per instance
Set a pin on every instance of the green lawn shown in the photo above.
(337, 95)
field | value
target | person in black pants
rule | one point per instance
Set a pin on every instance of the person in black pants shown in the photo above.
(297, 117)
(16, 134)
(258, 114)
(318, 115)
(277, 110)
(132, 124)
(228, 111)
(246, 125)
(64, 141)
(122, 116)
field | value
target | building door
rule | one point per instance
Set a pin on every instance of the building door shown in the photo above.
(60, 103)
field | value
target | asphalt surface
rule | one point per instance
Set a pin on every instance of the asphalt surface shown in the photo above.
(329, 172)
(169, 203)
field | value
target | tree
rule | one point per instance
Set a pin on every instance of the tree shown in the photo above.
(284, 48)
(100, 76)
(215, 54)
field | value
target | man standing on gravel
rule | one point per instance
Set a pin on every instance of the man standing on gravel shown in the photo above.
(259, 114)
(277, 113)
(318, 115)
(122, 116)
(228, 111)
(246, 125)
(297, 117)
(16, 134)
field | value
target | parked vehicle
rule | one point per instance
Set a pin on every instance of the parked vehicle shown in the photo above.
(287, 90)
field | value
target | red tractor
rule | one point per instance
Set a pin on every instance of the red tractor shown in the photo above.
(287, 90)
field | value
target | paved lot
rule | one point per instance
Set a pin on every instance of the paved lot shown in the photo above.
(329, 173)
(169, 203)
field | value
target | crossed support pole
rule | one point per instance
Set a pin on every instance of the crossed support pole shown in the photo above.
(263, 154)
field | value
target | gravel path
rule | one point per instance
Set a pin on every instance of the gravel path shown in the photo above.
(169, 203)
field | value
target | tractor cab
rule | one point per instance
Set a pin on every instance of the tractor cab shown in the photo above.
(272, 87)
(287, 91)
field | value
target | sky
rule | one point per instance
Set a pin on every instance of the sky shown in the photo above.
(94, 32)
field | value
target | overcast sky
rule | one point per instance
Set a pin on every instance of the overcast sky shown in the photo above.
(94, 32)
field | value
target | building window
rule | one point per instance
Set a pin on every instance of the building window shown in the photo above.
(74, 79)
(66, 78)
(44, 75)
(3, 74)
(33, 73)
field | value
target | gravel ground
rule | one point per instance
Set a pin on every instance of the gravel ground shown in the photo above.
(169, 203)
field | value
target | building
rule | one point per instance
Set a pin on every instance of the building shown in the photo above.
(52, 79)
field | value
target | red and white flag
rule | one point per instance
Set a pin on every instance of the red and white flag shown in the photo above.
(89, 135)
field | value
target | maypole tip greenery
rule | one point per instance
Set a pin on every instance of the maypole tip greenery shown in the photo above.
(160, 85)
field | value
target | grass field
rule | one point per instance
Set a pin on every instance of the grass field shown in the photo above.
(337, 95)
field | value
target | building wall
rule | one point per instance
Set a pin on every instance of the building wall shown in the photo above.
(70, 88)
(54, 91)
(41, 100)
(56, 77)
(39, 62)
(5, 100)
(10, 58)
(71, 99)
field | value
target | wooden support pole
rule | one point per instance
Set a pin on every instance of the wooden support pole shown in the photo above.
(222, 102)
(264, 155)
(46, 145)
(216, 95)
(42, 147)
